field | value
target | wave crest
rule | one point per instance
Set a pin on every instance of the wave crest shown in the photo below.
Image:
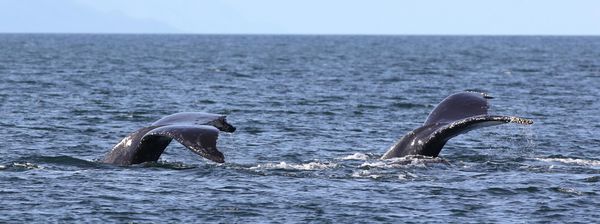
(583, 162)
(20, 166)
(304, 166)
(356, 156)
(407, 161)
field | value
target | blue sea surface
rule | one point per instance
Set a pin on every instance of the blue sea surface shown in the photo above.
(314, 114)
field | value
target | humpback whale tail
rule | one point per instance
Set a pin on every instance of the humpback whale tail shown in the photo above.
(457, 114)
(196, 131)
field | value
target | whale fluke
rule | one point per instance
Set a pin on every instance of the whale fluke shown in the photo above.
(200, 139)
(196, 131)
(457, 114)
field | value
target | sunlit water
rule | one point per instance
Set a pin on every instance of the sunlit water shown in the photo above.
(314, 114)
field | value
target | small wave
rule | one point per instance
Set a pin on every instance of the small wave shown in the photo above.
(20, 166)
(356, 156)
(64, 161)
(583, 162)
(375, 175)
(169, 165)
(407, 105)
(592, 179)
(407, 175)
(286, 166)
(377, 164)
(47, 162)
(365, 174)
(567, 190)
(407, 161)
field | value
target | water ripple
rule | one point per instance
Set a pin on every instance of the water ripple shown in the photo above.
(314, 114)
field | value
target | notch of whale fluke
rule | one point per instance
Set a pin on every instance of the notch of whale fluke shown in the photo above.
(198, 132)
(457, 114)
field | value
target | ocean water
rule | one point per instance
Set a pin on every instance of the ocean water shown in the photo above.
(314, 114)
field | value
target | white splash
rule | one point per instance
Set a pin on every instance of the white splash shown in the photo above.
(356, 156)
(379, 164)
(583, 162)
(365, 174)
(407, 161)
(27, 166)
(570, 191)
(407, 175)
(286, 166)
(373, 175)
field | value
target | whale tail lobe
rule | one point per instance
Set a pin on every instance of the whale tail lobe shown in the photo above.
(200, 139)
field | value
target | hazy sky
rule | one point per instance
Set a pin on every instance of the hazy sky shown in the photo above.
(521, 17)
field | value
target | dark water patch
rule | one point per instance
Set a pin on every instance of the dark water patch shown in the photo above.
(206, 101)
(241, 74)
(592, 179)
(499, 191)
(368, 106)
(530, 189)
(168, 165)
(406, 105)
(326, 113)
(526, 70)
(63, 161)
(253, 130)
(473, 158)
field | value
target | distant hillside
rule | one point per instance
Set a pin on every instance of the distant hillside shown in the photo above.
(45, 16)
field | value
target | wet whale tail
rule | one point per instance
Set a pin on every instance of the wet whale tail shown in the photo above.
(196, 131)
(457, 114)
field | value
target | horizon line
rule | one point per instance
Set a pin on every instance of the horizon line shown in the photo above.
(296, 34)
